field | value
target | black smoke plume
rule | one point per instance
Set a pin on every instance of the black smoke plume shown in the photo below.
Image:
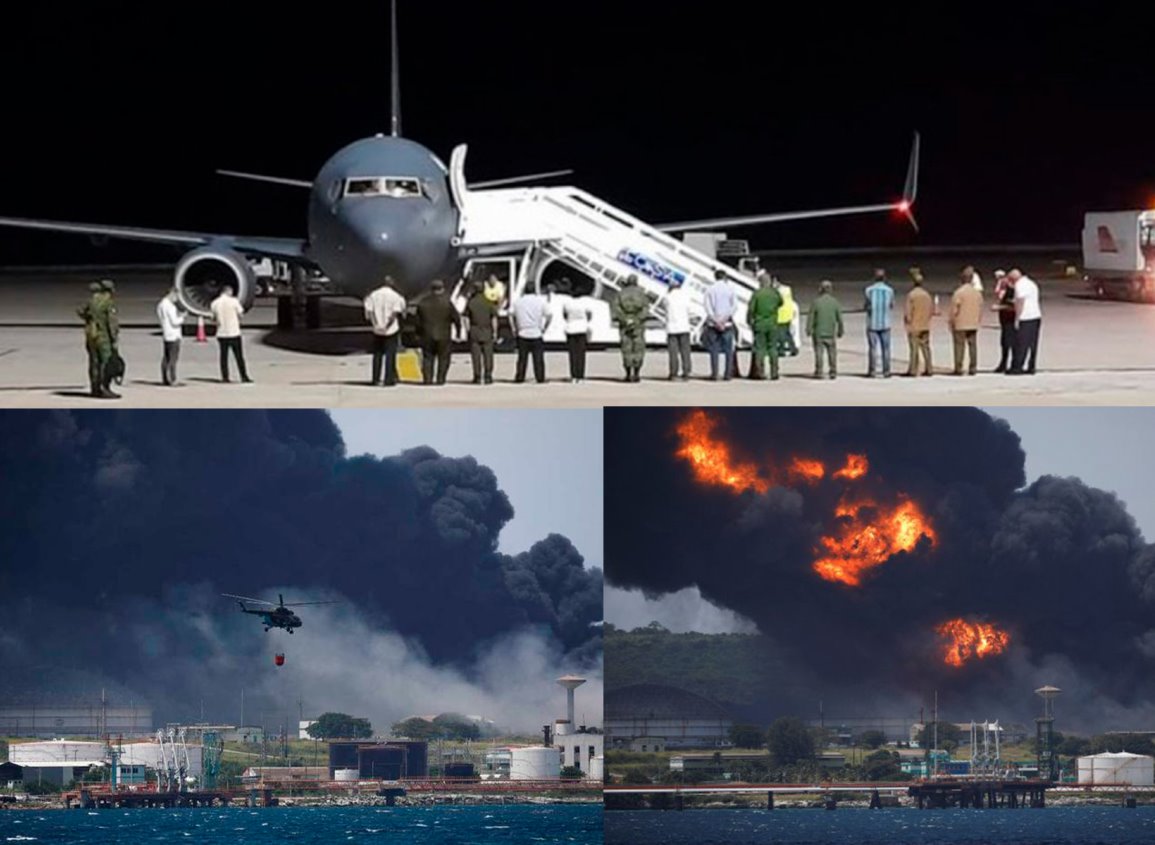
(121, 529)
(1060, 565)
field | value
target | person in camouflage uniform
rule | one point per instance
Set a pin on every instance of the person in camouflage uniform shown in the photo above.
(630, 311)
(101, 331)
(762, 318)
(87, 312)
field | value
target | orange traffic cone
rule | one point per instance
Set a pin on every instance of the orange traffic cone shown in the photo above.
(201, 338)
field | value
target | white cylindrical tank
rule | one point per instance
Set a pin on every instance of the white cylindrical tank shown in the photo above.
(534, 763)
(1134, 769)
(597, 768)
(346, 775)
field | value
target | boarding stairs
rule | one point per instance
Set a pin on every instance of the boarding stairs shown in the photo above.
(603, 242)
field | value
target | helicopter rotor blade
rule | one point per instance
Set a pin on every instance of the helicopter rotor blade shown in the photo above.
(303, 603)
(246, 598)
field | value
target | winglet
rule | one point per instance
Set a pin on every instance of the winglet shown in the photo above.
(910, 189)
(395, 118)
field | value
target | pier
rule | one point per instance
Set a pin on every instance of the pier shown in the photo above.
(980, 794)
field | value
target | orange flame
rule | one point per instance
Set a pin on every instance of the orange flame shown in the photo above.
(868, 536)
(807, 469)
(710, 458)
(856, 467)
(967, 640)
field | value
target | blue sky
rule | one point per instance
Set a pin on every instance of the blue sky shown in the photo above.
(549, 462)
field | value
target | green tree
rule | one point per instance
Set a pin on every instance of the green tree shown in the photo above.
(41, 788)
(456, 726)
(882, 765)
(1073, 746)
(947, 733)
(747, 736)
(872, 739)
(415, 728)
(340, 726)
(571, 773)
(3, 751)
(231, 771)
(789, 741)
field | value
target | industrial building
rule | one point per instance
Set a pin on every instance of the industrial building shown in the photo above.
(579, 746)
(655, 713)
(371, 759)
(82, 719)
(1120, 768)
(56, 762)
(61, 761)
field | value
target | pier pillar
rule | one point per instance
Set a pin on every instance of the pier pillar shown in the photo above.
(875, 800)
(769, 800)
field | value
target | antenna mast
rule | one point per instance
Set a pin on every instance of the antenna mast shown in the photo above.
(395, 118)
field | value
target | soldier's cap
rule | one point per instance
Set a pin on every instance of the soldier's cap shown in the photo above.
(95, 287)
(107, 284)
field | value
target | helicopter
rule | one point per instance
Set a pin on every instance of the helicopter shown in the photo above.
(280, 616)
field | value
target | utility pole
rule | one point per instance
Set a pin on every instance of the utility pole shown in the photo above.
(934, 758)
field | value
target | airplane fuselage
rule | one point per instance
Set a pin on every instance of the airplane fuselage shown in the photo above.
(382, 206)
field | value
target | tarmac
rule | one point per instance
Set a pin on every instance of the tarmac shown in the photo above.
(1092, 352)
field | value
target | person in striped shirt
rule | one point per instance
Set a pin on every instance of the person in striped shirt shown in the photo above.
(879, 302)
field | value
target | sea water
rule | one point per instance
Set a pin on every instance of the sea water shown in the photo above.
(572, 824)
(899, 826)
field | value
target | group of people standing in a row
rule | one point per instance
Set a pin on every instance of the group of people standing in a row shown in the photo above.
(1016, 302)
(772, 315)
(435, 320)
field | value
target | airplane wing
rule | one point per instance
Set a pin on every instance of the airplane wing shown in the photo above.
(276, 180)
(514, 180)
(904, 207)
(301, 183)
(286, 248)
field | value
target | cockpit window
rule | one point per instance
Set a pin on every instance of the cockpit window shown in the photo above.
(384, 186)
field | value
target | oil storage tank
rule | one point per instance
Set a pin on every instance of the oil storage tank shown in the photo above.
(534, 763)
(1121, 767)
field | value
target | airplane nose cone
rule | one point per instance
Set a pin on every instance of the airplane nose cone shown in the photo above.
(397, 239)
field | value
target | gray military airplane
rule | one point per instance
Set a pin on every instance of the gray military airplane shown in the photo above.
(380, 206)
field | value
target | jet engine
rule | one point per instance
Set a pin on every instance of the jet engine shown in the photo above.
(202, 274)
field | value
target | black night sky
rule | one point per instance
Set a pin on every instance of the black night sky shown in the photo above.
(1031, 113)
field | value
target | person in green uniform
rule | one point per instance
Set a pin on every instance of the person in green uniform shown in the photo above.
(824, 325)
(107, 335)
(482, 314)
(87, 312)
(762, 318)
(630, 310)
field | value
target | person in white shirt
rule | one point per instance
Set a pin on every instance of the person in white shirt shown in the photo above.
(1028, 321)
(227, 310)
(171, 317)
(383, 309)
(530, 319)
(577, 313)
(678, 330)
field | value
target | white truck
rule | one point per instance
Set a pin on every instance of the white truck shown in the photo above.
(1119, 254)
